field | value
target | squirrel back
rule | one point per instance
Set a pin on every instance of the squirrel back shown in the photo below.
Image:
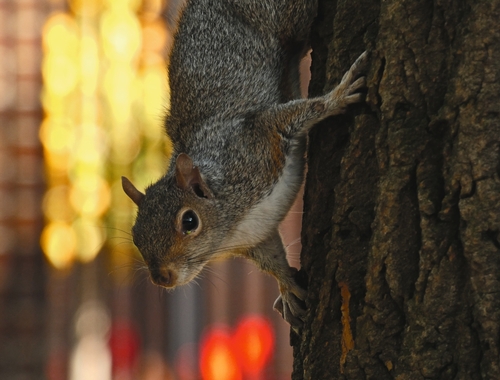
(232, 58)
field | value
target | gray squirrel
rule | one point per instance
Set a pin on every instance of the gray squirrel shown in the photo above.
(239, 133)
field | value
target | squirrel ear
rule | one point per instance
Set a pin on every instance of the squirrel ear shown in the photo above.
(131, 191)
(188, 177)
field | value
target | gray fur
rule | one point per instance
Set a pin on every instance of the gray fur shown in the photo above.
(234, 76)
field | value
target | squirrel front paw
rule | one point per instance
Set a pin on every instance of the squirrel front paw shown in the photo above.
(346, 92)
(291, 305)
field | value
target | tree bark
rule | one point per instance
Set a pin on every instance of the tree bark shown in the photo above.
(401, 245)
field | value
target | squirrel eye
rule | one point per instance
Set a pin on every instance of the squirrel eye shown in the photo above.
(189, 221)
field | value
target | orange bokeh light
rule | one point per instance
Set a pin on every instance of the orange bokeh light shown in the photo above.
(253, 343)
(227, 356)
(218, 359)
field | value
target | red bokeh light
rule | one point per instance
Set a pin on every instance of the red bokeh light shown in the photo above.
(254, 343)
(226, 356)
(124, 345)
(218, 360)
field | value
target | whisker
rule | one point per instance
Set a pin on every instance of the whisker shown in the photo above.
(218, 276)
(130, 275)
(143, 280)
(195, 281)
(213, 284)
(116, 229)
(122, 243)
(293, 242)
(119, 237)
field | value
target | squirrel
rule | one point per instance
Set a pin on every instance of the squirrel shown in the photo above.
(239, 132)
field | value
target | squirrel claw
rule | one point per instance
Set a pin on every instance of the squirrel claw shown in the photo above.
(278, 305)
(291, 308)
(361, 62)
(296, 322)
(347, 91)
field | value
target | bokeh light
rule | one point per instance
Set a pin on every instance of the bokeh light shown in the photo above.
(120, 34)
(124, 344)
(91, 357)
(104, 96)
(228, 355)
(254, 343)
(58, 241)
(218, 359)
(56, 206)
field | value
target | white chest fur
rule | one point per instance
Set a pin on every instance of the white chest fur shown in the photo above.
(264, 218)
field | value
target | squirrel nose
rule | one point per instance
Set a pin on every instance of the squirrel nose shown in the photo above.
(164, 277)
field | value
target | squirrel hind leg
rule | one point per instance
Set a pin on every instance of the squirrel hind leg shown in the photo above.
(284, 310)
(291, 309)
(270, 256)
(291, 301)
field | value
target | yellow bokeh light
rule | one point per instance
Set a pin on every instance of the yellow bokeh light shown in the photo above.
(59, 73)
(60, 34)
(91, 145)
(89, 65)
(105, 94)
(87, 8)
(60, 41)
(57, 163)
(58, 241)
(90, 237)
(154, 36)
(55, 134)
(119, 87)
(153, 8)
(56, 206)
(155, 96)
(125, 151)
(121, 35)
(132, 5)
(152, 166)
(90, 195)
(90, 112)
(58, 105)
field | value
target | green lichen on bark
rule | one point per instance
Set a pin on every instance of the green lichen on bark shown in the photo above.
(402, 198)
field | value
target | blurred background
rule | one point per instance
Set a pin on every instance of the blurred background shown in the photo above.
(83, 91)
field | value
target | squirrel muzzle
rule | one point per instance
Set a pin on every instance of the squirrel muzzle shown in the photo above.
(164, 277)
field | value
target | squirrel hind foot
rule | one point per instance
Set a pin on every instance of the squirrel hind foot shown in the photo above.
(291, 308)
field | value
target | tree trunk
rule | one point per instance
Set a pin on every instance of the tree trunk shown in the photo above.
(401, 244)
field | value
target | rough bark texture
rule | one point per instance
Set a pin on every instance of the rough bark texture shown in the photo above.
(402, 203)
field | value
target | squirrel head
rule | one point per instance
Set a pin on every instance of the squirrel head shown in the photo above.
(176, 226)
